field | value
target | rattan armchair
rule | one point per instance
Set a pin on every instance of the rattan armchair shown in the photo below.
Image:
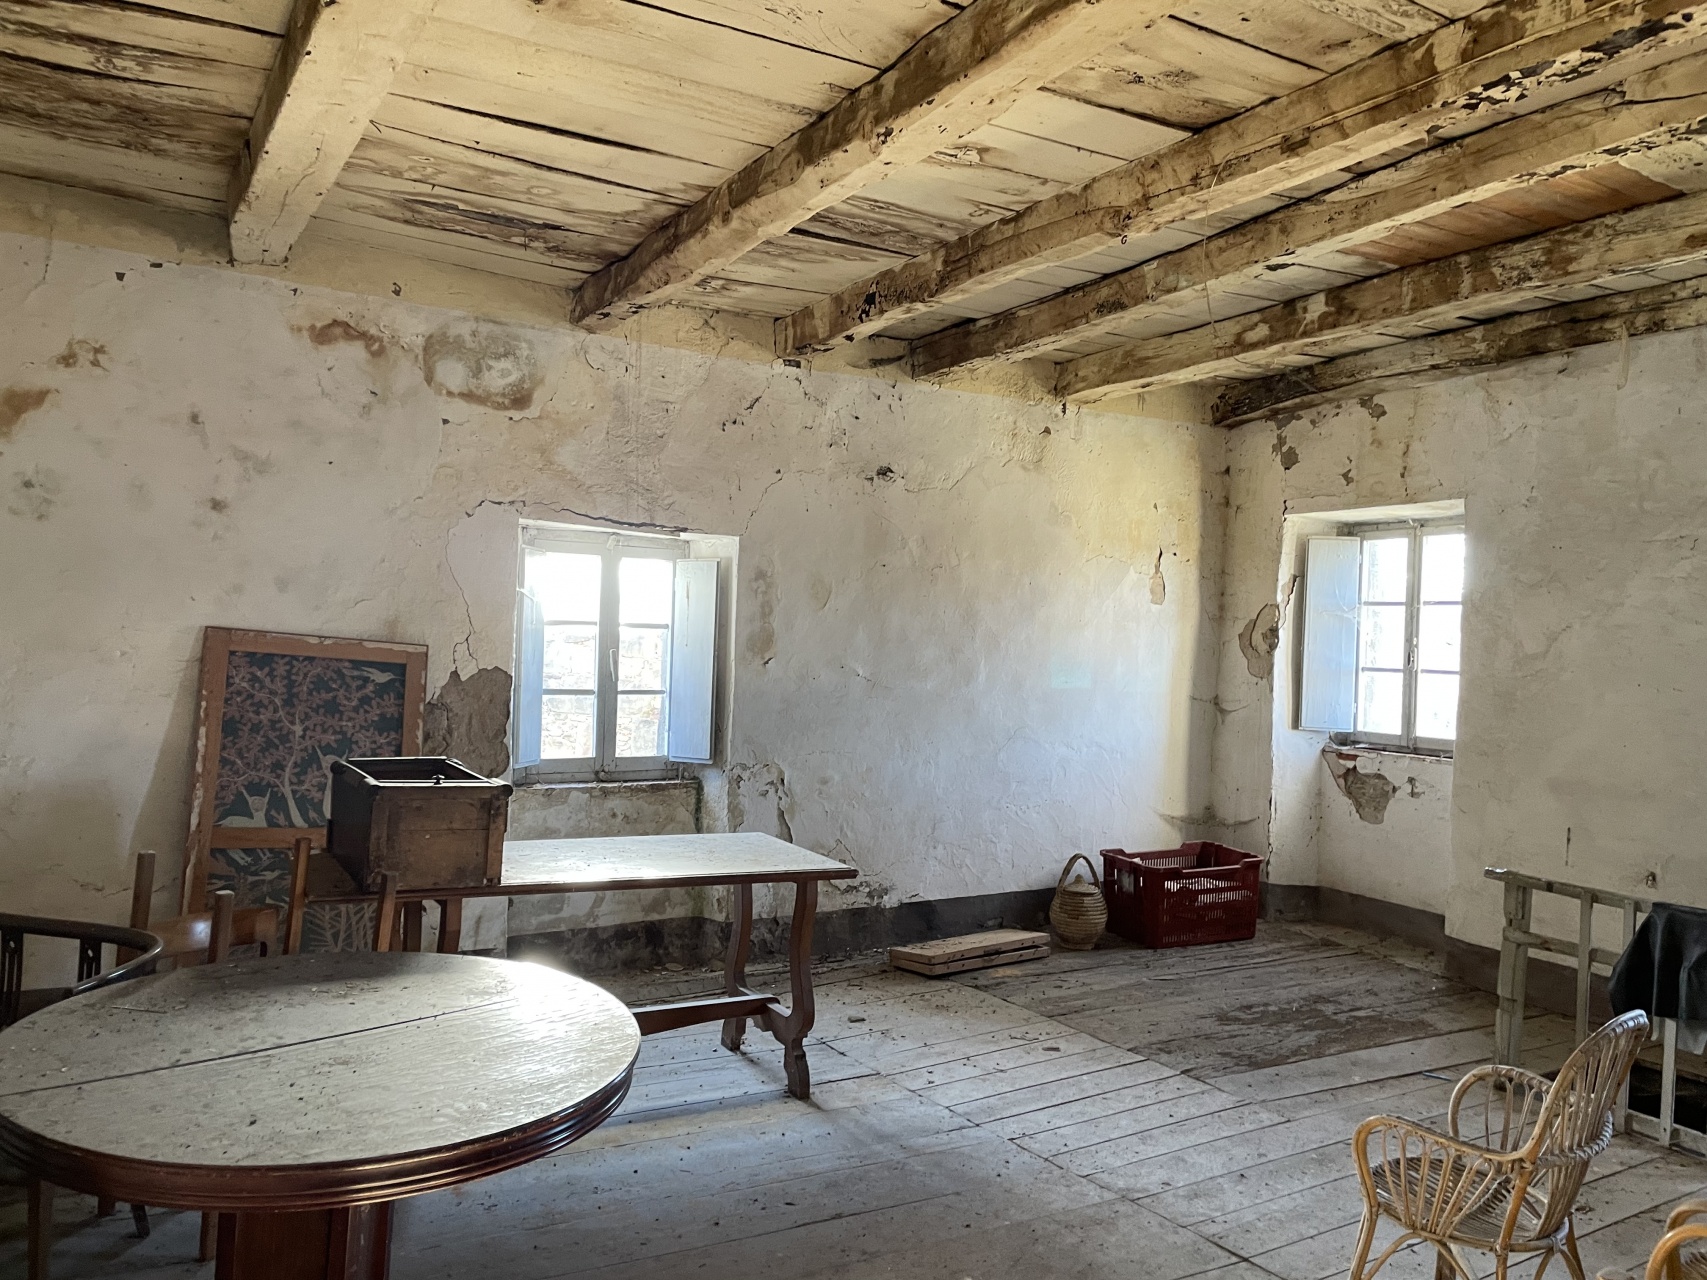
(1508, 1184)
(1680, 1254)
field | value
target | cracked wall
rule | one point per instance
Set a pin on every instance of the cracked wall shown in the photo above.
(970, 635)
(1581, 725)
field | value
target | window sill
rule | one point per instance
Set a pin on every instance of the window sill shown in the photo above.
(1359, 749)
(605, 784)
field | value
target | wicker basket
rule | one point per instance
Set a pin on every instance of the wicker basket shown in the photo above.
(1079, 914)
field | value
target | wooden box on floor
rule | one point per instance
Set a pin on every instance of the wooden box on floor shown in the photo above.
(433, 821)
(974, 951)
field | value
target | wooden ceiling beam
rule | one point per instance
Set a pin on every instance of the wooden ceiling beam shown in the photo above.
(1618, 316)
(1504, 61)
(1430, 293)
(955, 80)
(334, 67)
(1643, 124)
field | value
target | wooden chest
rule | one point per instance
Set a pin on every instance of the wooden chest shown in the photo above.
(432, 820)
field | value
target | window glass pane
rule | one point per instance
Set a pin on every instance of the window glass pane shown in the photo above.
(640, 724)
(1381, 701)
(1381, 636)
(571, 656)
(1443, 566)
(644, 656)
(646, 586)
(1437, 637)
(566, 726)
(1437, 706)
(567, 585)
(1386, 569)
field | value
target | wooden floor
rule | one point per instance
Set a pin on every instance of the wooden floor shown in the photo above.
(1124, 1113)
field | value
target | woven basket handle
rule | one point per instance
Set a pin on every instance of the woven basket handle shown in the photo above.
(1089, 865)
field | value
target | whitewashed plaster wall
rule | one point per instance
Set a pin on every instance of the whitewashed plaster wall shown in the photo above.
(1581, 721)
(969, 640)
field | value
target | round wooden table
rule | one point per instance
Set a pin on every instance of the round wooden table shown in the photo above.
(300, 1096)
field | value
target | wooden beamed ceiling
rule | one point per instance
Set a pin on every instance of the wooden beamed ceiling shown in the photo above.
(1286, 197)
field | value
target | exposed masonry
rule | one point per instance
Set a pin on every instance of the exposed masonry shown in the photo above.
(1369, 793)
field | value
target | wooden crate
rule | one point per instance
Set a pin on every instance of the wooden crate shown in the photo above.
(432, 820)
(973, 951)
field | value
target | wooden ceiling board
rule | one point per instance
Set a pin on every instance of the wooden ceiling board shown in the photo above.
(444, 222)
(73, 162)
(1081, 124)
(1291, 30)
(872, 32)
(638, 40)
(1184, 76)
(807, 264)
(155, 120)
(871, 220)
(1003, 148)
(723, 294)
(444, 165)
(465, 67)
(583, 244)
(674, 178)
(229, 66)
(335, 223)
(271, 16)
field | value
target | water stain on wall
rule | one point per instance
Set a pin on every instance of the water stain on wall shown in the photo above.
(469, 720)
(332, 332)
(80, 352)
(483, 364)
(761, 640)
(17, 403)
(35, 492)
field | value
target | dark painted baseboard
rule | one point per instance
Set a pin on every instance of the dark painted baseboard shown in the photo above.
(693, 941)
(1550, 986)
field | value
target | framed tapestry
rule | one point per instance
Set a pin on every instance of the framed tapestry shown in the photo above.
(275, 711)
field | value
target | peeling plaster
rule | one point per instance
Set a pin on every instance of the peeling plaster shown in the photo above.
(17, 403)
(1259, 640)
(469, 720)
(1369, 793)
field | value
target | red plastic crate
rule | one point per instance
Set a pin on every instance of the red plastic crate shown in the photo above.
(1199, 892)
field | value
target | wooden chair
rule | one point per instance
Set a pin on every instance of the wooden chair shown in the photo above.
(202, 937)
(1510, 1186)
(143, 950)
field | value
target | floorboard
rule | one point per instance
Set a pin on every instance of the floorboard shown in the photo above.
(1175, 1115)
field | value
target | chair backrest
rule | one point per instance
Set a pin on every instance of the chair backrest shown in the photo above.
(91, 939)
(1575, 1123)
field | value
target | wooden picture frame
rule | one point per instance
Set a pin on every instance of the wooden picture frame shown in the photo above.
(319, 694)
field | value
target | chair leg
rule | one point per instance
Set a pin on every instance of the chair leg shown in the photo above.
(1573, 1260)
(139, 1218)
(1365, 1238)
(210, 1237)
(40, 1228)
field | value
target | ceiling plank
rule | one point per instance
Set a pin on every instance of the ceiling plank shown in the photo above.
(1613, 318)
(958, 78)
(1575, 135)
(334, 67)
(1501, 62)
(1429, 294)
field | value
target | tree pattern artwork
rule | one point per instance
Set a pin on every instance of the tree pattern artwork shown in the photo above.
(286, 718)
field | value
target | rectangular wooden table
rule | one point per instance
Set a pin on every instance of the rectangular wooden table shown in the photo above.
(739, 860)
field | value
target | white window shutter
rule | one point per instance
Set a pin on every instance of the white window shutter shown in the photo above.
(693, 661)
(1328, 694)
(529, 680)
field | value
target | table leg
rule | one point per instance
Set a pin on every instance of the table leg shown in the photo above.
(450, 926)
(326, 1244)
(735, 964)
(801, 1011)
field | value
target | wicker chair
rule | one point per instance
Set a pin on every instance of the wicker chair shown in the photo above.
(1680, 1254)
(1509, 1185)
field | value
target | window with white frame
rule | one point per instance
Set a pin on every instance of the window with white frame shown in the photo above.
(615, 654)
(1383, 609)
